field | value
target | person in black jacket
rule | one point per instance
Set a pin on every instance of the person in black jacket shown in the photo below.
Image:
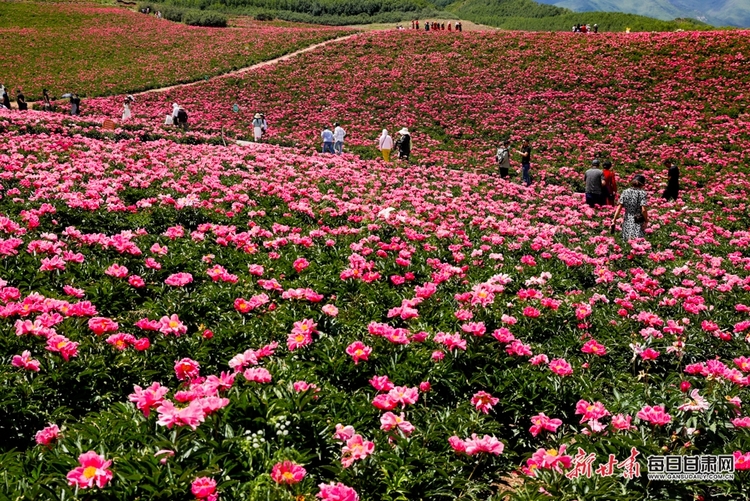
(403, 144)
(21, 101)
(673, 181)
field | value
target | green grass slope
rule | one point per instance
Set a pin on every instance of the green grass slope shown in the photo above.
(529, 15)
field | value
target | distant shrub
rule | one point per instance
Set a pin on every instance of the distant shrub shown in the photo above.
(192, 17)
(264, 16)
(201, 18)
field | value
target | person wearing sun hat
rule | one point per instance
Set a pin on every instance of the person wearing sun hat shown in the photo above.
(403, 144)
(257, 127)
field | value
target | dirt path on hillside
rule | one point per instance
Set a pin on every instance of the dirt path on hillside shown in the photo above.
(14, 105)
(247, 69)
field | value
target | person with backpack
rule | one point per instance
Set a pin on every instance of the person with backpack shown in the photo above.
(503, 159)
(403, 144)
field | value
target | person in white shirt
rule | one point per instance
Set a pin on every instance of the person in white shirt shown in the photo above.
(385, 145)
(338, 138)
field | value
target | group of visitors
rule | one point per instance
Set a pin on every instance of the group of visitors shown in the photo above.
(586, 28)
(47, 105)
(503, 160)
(601, 189)
(333, 142)
(402, 144)
(434, 26)
(147, 10)
(178, 117)
(601, 185)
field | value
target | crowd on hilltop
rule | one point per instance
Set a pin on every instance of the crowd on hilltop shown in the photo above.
(435, 26)
(586, 28)
(48, 102)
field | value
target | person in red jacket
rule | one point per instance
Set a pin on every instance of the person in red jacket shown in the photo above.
(610, 184)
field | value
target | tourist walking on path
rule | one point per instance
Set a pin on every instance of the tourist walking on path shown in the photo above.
(327, 136)
(257, 127)
(594, 181)
(633, 203)
(46, 102)
(525, 153)
(673, 181)
(385, 145)
(21, 101)
(338, 138)
(75, 104)
(126, 113)
(610, 184)
(179, 116)
(503, 159)
(5, 96)
(403, 144)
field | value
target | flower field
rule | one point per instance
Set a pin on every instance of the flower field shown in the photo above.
(187, 320)
(99, 50)
(639, 98)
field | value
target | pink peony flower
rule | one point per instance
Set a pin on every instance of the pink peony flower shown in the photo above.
(343, 433)
(47, 435)
(100, 325)
(148, 399)
(186, 369)
(542, 422)
(381, 383)
(337, 492)
(288, 473)
(561, 367)
(390, 421)
(203, 487)
(179, 279)
(654, 415)
(93, 471)
(300, 264)
(116, 271)
(483, 401)
(487, 443)
(594, 347)
(356, 448)
(257, 375)
(621, 422)
(25, 361)
(358, 351)
(741, 460)
(330, 310)
(552, 459)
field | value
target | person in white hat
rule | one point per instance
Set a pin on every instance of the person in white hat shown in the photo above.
(257, 127)
(403, 144)
(385, 145)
